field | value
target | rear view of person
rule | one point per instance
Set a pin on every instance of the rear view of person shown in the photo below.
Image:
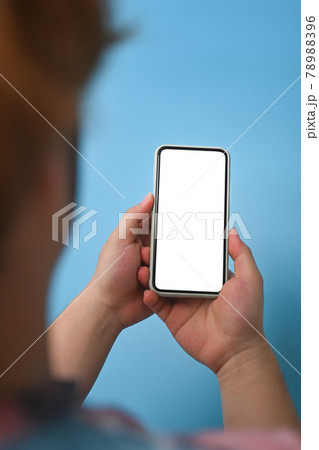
(48, 50)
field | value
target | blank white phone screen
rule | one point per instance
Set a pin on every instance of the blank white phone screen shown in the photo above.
(190, 251)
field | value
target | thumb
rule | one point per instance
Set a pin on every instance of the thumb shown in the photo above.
(244, 263)
(136, 219)
(159, 305)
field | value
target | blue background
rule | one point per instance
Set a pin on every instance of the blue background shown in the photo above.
(194, 72)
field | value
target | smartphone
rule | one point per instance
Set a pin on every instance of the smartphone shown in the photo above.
(189, 234)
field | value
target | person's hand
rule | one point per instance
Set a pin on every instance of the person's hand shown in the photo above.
(83, 335)
(115, 286)
(213, 331)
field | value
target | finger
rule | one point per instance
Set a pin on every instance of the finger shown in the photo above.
(230, 274)
(132, 221)
(139, 241)
(244, 263)
(145, 255)
(159, 305)
(143, 276)
(146, 225)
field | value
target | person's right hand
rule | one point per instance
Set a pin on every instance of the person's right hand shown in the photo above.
(213, 331)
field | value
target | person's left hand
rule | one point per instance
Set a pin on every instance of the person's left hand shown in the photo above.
(114, 285)
(216, 331)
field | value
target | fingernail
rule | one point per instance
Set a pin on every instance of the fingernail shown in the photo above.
(233, 231)
(146, 198)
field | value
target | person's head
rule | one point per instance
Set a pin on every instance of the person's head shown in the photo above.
(48, 49)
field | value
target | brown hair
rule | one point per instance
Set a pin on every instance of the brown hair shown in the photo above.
(63, 37)
(61, 40)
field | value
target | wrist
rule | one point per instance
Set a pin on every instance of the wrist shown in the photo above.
(253, 391)
(244, 366)
(103, 312)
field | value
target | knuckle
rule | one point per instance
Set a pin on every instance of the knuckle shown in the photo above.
(160, 308)
(130, 210)
(248, 250)
(258, 278)
(261, 280)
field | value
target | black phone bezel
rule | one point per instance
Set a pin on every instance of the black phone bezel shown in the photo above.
(155, 210)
